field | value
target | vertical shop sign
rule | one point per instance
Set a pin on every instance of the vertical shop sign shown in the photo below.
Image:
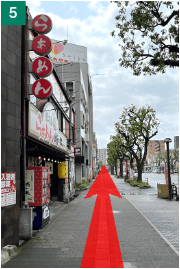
(42, 67)
(42, 46)
(8, 189)
(29, 186)
(42, 24)
(42, 88)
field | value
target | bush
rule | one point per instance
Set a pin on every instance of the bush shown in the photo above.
(134, 183)
(139, 184)
(84, 184)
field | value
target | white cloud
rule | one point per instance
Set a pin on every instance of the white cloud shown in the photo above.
(74, 9)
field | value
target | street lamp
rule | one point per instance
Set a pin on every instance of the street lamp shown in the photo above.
(167, 141)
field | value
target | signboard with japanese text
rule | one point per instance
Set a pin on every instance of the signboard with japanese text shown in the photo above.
(42, 88)
(42, 67)
(44, 127)
(42, 24)
(29, 186)
(42, 45)
(67, 53)
(8, 189)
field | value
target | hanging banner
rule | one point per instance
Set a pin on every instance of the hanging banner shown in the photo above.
(8, 189)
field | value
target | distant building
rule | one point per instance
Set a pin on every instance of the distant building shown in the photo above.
(102, 155)
(176, 142)
(154, 147)
(94, 155)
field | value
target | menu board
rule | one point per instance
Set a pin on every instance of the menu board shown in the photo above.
(29, 186)
(8, 189)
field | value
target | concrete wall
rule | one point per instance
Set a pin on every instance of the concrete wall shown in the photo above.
(10, 125)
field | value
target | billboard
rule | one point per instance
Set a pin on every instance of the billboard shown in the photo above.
(67, 53)
(44, 127)
(8, 189)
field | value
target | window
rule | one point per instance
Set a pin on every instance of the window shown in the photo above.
(59, 120)
(32, 97)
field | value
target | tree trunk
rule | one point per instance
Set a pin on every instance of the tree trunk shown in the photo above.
(140, 169)
(121, 168)
(116, 168)
(139, 176)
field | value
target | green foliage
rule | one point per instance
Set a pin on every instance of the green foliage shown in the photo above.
(80, 186)
(139, 184)
(137, 127)
(149, 35)
(100, 165)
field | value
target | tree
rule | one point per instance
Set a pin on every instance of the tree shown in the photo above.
(174, 158)
(112, 155)
(121, 151)
(138, 126)
(100, 165)
(149, 36)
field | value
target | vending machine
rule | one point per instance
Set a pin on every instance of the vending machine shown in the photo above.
(37, 194)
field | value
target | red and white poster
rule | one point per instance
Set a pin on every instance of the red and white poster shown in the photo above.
(42, 24)
(42, 45)
(42, 67)
(42, 88)
(8, 189)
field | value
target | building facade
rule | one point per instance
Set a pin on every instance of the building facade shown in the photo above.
(11, 135)
(38, 136)
(154, 147)
(94, 155)
(102, 156)
(76, 76)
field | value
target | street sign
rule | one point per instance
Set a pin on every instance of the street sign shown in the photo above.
(42, 45)
(42, 24)
(42, 67)
(42, 88)
(77, 151)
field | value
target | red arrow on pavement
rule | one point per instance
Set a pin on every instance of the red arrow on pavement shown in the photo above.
(102, 248)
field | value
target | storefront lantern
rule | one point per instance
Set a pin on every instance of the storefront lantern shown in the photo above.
(42, 24)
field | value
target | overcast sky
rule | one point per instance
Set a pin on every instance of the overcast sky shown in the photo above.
(89, 24)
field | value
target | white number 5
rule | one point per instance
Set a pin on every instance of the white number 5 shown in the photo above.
(13, 11)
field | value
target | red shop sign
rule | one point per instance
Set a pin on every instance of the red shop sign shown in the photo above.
(42, 88)
(42, 67)
(42, 45)
(42, 24)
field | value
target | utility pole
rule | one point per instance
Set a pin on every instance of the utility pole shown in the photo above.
(167, 141)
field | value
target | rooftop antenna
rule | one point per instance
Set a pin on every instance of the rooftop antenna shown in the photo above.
(67, 33)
